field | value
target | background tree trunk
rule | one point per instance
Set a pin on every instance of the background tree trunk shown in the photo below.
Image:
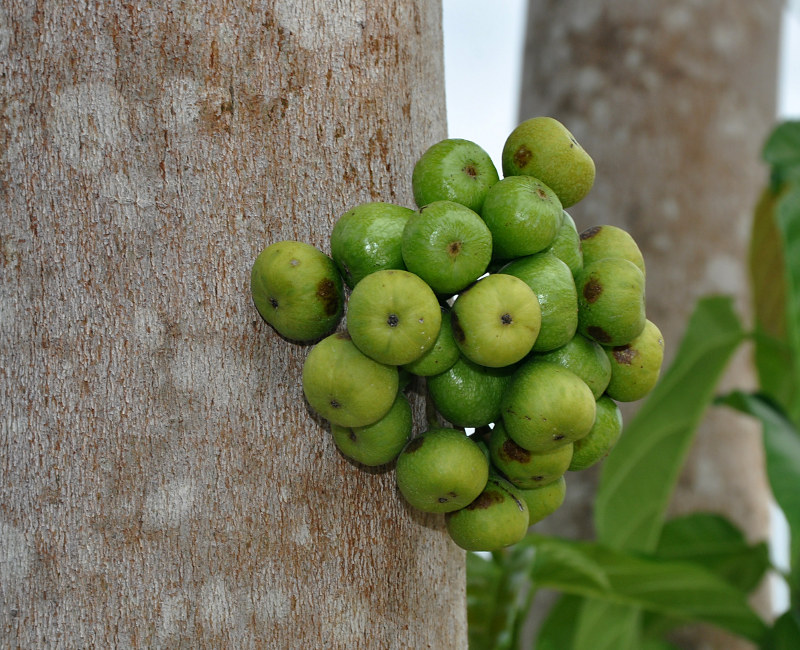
(673, 100)
(163, 484)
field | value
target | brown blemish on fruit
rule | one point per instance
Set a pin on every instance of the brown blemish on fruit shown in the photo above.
(625, 354)
(326, 292)
(485, 499)
(541, 193)
(454, 248)
(447, 497)
(513, 496)
(470, 170)
(590, 232)
(458, 332)
(415, 444)
(345, 336)
(592, 290)
(513, 451)
(506, 319)
(598, 334)
(522, 156)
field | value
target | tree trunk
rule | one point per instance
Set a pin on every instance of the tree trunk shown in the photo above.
(163, 483)
(673, 100)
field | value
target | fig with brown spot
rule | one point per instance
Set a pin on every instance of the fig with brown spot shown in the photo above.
(297, 289)
(441, 470)
(497, 518)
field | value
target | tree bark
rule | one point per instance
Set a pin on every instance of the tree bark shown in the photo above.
(673, 100)
(163, 483)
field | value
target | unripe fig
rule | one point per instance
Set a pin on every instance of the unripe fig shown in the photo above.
(367, 238)
(453, 169)
(344, 385)
(552, 282)
(297, 289)
(567, 245)
(441, 356)
(497, 518)
(524, 468)
(544, 501)
(546, 406)
(602, 437)
(542, 147)
(496, 321)
(378, 443)
(524, 216)
(441, 470)
(611, 301)
(635, 366)
(393, 316)
(598, 242)
(468, 394)
(584, 357)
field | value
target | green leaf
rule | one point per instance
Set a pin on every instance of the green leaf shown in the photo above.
(497, 590)
(782, 453)
(557, 632)
(638, 478)
(714, 542)
(785, 633)
(605, 625)
(782, 149)
(788, 219)
(676, 589)
(772, 353)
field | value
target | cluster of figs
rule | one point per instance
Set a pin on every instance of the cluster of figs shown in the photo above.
(523, 332)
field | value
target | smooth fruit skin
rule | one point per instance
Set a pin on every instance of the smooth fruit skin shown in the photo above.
(453, 169)
(567, 245)
(441, 356)
(497, 518)
(596, 445)
(441, 470)
(598, 242)
(542, 147)
(297, 289)
(447, 245)
(611, 301)
(378, 443)
(345, 386)
(367, 238)
(552, 282)
(546, 406)
(524, 216)
(393, 316)
(496, 321)
(635, 366)
(524, 468)
(467, 394)
(544, 501)
(586, 358)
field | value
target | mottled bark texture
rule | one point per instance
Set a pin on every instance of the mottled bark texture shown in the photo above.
(163, 483)
(673, 101)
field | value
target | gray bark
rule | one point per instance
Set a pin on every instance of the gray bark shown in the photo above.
(163, 483)
(673, 100)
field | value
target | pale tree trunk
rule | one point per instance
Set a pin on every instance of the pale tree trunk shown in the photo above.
(163, 483)
(673, 100)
